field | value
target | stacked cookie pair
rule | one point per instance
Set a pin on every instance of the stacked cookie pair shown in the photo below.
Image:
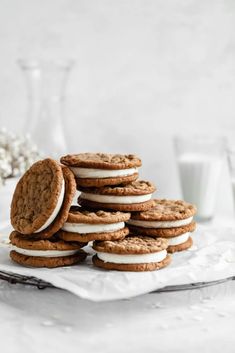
(40, 206)
(168, 219)
(109, 182)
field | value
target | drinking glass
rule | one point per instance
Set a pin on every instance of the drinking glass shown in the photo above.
(199, 160)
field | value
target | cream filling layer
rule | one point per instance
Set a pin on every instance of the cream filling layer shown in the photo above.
(101, 173)
(44, 253)
(84, 228)
(160, 224)
(132, 259)
(55, 211)
(115, 199)
(179, 239)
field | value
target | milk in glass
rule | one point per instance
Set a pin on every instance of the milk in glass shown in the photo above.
(199, 175)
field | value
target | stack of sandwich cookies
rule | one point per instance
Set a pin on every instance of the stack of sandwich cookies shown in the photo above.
(100, 169)
(49, 232)
(39, 208)
(170, 219)
(49, 253)
(134, 253)
(84, 226)
(132, 197)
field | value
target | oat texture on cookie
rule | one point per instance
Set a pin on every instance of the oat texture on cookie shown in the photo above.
(101, 160)
(139, 187)
(102, 169)
(36, 196)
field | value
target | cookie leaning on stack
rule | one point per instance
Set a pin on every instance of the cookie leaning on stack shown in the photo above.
(42, 199)
(39, 208)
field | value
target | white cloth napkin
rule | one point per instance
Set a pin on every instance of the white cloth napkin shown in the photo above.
(211, 258)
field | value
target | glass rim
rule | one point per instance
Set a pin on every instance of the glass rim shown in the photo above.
(197, 138)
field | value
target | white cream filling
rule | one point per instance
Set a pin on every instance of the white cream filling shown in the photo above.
(101, 173)
(179, 239)
(132, 259)
(160, 224)
(55, 211)
(115, 199)
(44, 253)
(84, 228)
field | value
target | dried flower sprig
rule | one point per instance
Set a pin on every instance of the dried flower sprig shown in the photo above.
(17, 154)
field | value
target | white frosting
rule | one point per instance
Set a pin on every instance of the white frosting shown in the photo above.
(44, 253)
(132, 259)
(55, 211)
(84, 228)
(160, 224)
(115, 199)
(179, 239)
(101, 173)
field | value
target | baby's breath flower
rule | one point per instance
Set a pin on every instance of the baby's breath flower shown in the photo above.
(17, 154)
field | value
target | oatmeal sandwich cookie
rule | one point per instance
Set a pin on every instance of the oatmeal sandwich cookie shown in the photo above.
(42, 199)
(134, 253)
(135, 196)
(49, 253)
(171, 219)
(100, 169)
(84, 226)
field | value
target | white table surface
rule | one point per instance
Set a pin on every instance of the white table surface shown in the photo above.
(52, 320)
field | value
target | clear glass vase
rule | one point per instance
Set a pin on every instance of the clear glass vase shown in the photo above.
(46, 84)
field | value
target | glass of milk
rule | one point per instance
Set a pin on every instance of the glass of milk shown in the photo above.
(199, 160)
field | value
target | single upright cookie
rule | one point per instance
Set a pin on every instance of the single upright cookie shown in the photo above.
(42, 199)
(84, 226)
(135, 196)
(134, 253)
(171, 219)
(49, 253)
(100, 169)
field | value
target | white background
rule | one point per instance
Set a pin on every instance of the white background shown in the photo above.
(146, 70)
